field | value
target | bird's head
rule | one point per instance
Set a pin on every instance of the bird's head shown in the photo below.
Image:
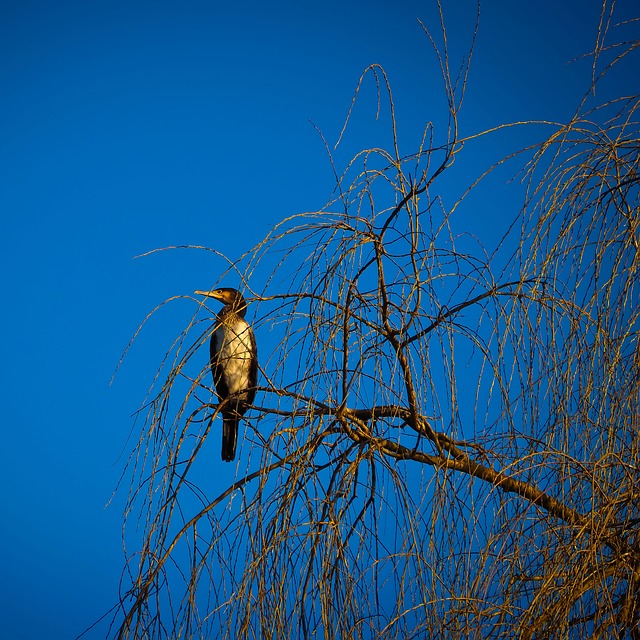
(228, 296)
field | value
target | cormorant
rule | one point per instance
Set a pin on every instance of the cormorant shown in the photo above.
(234, 363)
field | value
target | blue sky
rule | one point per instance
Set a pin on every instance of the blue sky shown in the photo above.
(128, 126)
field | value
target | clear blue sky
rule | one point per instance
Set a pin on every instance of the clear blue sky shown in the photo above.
(127, 126)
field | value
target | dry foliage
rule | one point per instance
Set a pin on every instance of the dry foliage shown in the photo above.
(440, 448)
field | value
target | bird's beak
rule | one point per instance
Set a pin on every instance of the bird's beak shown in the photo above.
(208, 294)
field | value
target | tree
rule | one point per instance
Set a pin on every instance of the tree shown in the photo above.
(445, 441)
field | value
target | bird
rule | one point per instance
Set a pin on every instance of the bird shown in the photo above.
(234, 363)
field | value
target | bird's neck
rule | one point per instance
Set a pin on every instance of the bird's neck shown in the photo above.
(230, 309)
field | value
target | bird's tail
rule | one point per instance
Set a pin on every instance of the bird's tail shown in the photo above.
(229, 436)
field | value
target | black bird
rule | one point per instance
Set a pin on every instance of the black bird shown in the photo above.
(234, 363)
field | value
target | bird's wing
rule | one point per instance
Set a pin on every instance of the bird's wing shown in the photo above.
(253, 367)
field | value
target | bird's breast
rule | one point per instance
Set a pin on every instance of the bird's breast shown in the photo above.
(234, 352)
